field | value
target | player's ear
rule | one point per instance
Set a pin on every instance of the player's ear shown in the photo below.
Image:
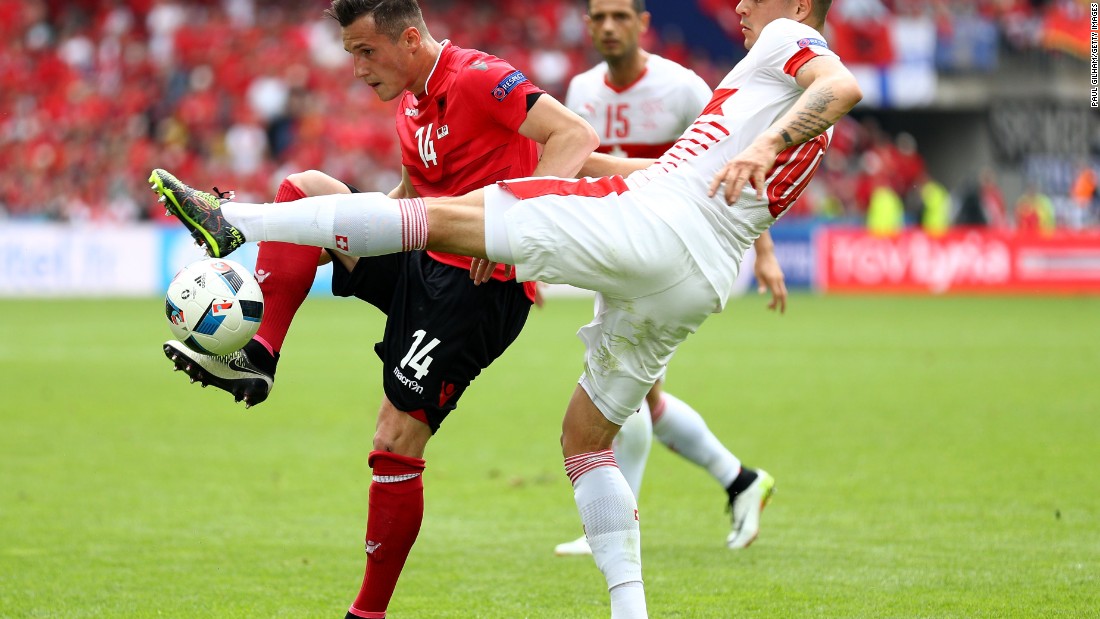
(803, 9)
(410, 38)
(644, 18)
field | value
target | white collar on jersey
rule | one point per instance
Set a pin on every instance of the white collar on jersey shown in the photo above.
(442, 47)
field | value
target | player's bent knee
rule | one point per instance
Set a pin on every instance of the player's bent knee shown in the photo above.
(403, 441)
(316, 183)
(587, 438)
(401, 433)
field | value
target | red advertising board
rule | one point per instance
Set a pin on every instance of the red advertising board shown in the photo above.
(965, 260)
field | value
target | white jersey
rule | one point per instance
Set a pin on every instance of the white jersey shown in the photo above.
(660, 254)
(646, 117)
(758, 90)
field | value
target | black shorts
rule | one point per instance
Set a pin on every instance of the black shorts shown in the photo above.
(441, 329)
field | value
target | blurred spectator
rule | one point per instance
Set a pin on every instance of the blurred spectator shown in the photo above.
(885, 214)
(967, 40)
(1083, 195)
(935, 216)
(245, 144)
(982, 203)
(970, 207)
(993, 201)
(1034, 212)
(1064, 28)
(861, 32)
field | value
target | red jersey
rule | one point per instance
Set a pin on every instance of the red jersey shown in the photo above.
(462, 134)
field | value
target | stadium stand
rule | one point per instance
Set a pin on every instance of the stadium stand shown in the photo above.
(239, 93)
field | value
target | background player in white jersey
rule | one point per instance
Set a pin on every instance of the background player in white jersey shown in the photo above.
(640, 103)
(737, 169)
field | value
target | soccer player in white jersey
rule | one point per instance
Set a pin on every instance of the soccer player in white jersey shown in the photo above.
(639, 104)
(660, 243)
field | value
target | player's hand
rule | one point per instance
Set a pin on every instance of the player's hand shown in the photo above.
(539, 299)
(770, 278)
(751, 167)
(481, 270)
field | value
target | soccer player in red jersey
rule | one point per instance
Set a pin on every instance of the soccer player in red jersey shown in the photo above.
(465, 119)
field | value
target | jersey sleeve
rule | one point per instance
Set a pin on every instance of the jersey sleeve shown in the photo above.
(785, 45)
(495, 92)
(696, 96)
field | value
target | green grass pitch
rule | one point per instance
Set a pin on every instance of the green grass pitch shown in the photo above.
(935, 457)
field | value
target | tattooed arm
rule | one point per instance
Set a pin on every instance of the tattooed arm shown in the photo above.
(830, 91)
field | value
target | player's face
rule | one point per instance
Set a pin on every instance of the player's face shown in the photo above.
(755, 14)
(384, 65)
(615, 28)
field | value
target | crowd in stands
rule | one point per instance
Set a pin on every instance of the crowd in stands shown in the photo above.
(969, 33)
(239, 93)
(871, 176)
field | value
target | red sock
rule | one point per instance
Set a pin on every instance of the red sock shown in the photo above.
(396, 511)
(285, 272)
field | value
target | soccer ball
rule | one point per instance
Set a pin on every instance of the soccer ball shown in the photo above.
(214, 306)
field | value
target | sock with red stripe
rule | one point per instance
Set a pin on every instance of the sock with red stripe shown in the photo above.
(609, 513)
(396, 511)
(360, 224)
(285, 272)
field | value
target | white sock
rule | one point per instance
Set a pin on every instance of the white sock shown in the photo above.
(683, 430)
(609, 513)
(631, 447)
(359, 224)
(628, 601)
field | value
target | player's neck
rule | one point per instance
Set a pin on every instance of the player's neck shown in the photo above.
(434, 49)
(622, 72)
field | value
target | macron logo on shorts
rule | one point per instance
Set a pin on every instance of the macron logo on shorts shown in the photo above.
(508, 84)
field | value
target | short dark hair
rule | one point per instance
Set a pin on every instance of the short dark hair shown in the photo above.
(638, 6)
(391, 17)
(820, 9)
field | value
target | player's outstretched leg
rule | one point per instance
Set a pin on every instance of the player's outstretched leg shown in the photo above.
(248, 374)
(200, 212)
(749, 495)
(365, 224)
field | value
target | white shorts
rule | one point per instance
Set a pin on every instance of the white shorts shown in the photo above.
(650, 293)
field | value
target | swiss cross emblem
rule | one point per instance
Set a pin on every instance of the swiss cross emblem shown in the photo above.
(341, 242)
